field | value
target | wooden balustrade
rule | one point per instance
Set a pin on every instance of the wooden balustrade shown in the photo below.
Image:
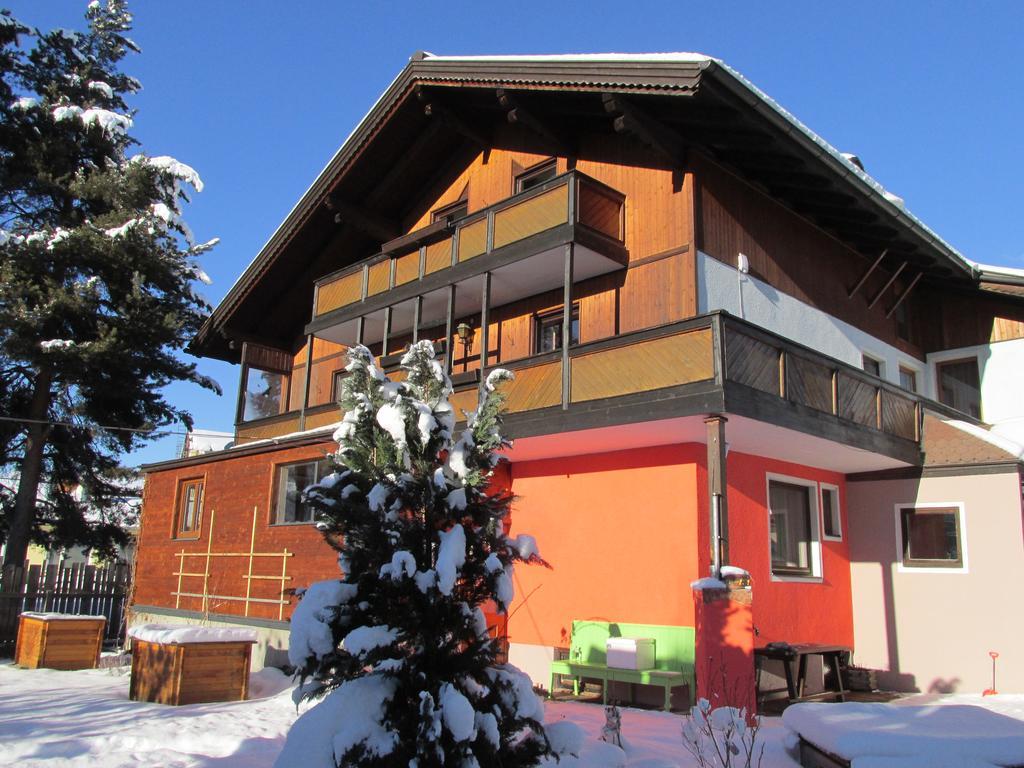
(571, 198)
(711, 351)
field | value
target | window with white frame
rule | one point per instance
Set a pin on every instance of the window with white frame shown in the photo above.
(793, 527)
(292, 480)
(931, 536)
(831, 520)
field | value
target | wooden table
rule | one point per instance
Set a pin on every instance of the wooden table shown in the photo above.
(835, 655)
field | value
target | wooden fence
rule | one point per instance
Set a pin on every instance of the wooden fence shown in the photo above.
(78, 588)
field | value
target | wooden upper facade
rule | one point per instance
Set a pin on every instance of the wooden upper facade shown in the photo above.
(553, 211)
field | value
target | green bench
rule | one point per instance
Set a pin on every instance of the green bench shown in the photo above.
(673, 650)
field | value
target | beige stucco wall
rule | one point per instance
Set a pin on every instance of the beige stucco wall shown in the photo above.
(932, 631)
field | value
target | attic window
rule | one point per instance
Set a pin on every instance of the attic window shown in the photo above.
(456, 210)
(536, 175)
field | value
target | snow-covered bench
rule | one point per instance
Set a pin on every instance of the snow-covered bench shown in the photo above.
(896, 736)
(673, 665)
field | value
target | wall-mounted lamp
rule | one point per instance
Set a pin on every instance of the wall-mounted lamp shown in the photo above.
(465, 333)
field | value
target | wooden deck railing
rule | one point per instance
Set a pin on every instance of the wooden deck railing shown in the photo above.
(716, 348)
(572, 198)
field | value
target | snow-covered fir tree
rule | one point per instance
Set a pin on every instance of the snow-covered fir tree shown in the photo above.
(97, 277)
(399, 645)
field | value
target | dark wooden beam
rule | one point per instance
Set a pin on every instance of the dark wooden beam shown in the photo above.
(397, 171)
(763, 160)
(867, 274)
(904, 294)
(888, 283)
(434, 108)
(517, 114)
(630, 119)
(378, 227)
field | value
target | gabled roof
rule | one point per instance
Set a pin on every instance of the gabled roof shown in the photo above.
(397, 152)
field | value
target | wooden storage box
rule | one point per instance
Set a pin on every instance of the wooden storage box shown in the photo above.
(190, 672)
(59, 641)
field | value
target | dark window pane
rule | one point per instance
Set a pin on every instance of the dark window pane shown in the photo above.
(190, 506)
(931, 537)
(292, 480)
(264, 394)
(908, 379)
(959, 386)
(791, 533)
(536, 176)
(549, 330)
(872, 366)
(830, 513)
(455, 211)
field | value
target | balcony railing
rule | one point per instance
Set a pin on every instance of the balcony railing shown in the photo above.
(568, 201)
(710, 363)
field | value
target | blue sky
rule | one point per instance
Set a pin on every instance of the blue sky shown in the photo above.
(258, 95)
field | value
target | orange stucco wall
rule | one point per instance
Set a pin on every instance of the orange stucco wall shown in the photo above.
(626, 532)
(820, 612)
(619, 531)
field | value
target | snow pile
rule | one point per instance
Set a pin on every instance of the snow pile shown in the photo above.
(356, 707)
(886, 736)
(361, 640)
(61, 616)
(170, 633)
(450, 558)
(311, 635)
(707, 583)
(109, 122)
(51, 344)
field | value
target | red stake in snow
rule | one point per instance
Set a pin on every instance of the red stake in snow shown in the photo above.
(992, 691)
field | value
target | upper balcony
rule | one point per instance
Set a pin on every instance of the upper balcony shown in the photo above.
(516, 246)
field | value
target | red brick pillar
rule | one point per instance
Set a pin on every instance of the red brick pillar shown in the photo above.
(725, 645)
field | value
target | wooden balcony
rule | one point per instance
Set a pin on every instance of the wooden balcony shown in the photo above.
(518, 243)
(713, 363)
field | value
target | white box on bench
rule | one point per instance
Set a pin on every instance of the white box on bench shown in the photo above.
(630, 652)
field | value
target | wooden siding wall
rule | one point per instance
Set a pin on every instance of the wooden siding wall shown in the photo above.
(795, 257)
(658, 287)
(969, 319)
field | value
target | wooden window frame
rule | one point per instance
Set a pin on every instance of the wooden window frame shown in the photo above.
(539, 318)
(907, 564)
(336, 379)
(914, 373)
(276, 487)
(449, 209)
(865, 356)
(286, 394)
(184, 483)
(532, 172)
(814, 573)
(834, 489)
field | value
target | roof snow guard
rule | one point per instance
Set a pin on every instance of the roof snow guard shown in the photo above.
(714, 108)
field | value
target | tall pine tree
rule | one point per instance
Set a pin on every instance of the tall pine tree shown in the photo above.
(400, 645)
(97, 272)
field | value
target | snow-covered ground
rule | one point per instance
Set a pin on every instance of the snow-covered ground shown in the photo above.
(50, 718)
